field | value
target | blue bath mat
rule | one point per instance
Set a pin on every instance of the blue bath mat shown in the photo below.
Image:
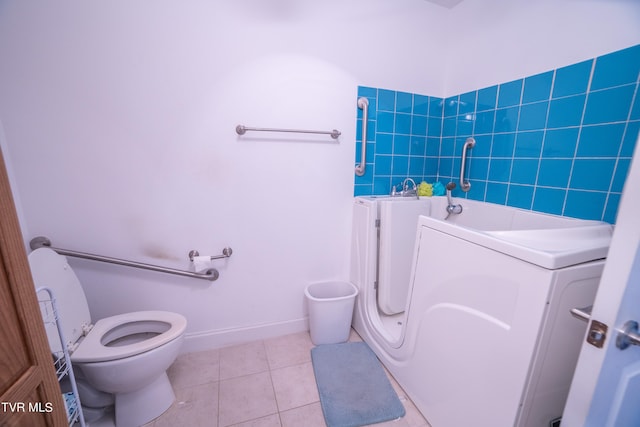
(354, 389)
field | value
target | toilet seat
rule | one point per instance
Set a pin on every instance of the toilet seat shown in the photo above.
(94, 346)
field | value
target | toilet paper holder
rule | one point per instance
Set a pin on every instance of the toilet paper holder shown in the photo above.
(226, 253)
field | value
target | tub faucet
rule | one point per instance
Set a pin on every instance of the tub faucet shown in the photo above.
(451, 208)
(409, 189)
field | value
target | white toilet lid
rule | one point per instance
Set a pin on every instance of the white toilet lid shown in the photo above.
(51, 270)
(91, 348)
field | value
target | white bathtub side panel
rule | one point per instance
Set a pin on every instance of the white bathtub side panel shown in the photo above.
(398, 231)
(472, 330)
(560, 343)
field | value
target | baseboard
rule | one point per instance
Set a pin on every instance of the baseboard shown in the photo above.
(199, 341)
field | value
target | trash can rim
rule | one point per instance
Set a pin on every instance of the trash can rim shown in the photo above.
(353, 291)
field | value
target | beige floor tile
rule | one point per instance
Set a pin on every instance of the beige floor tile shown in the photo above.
(268, 421)
(260, 384)
(243, 359)
(196, 368)
(289, 350)
(400, 422)
(307, 416)
(353, 336)
(194, 406)
(246, 398)
(295, 386)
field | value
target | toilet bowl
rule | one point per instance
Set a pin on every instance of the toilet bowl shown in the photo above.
(126, 355)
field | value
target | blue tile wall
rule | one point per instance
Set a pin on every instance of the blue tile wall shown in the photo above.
(558, 142)
(403, 139)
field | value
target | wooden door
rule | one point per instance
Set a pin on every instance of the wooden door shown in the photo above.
(29, 390)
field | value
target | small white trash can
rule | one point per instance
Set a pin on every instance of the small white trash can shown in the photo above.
(330, 307)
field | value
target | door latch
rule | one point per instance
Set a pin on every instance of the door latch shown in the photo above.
(597, 333)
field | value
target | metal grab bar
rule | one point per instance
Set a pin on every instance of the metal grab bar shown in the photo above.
(469, 143)
(241, 130)
(44, 242)
(363, 104)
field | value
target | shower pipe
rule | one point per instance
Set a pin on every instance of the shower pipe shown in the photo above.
(469, 143)
(44, 242)
(241, 130)
(363, 104)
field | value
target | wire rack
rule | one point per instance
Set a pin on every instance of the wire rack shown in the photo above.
(60, 355)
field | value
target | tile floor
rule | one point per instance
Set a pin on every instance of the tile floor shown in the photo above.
(267, 383)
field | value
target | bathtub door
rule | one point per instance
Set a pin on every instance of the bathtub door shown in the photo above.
(606, 384)
(398, 231)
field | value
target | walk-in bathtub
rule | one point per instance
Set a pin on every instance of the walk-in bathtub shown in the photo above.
(471, 314)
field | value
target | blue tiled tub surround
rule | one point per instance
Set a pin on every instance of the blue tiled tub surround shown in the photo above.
(403, 139)
(558, 142)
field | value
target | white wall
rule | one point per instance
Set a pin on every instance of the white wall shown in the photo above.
(119, 125)
(496, 41)
(119, 122)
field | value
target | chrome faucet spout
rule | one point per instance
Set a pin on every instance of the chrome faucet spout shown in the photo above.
(405, 184)
(409, 191)
(408, 188)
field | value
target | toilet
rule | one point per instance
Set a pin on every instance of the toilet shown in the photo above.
(125, 356)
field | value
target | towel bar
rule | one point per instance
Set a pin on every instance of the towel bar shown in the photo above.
(241, 130)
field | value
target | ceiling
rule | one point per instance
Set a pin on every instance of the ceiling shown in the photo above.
(449, 4)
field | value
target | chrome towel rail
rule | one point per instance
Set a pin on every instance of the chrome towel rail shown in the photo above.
(241, 130)
(40, 242)
(363, 104)
(469, 143)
